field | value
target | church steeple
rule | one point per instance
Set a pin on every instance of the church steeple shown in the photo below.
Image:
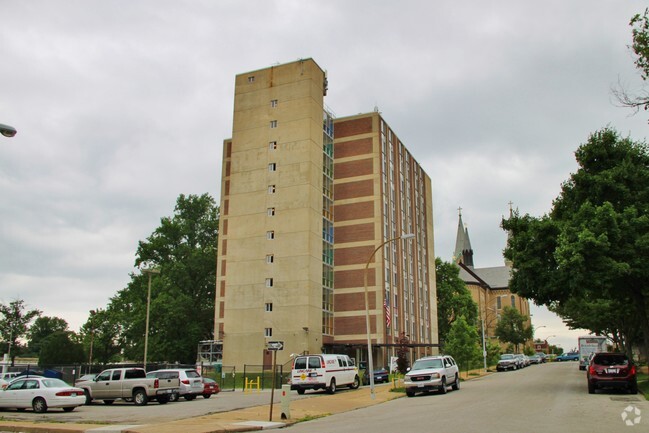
(508, 262)
(463, 251)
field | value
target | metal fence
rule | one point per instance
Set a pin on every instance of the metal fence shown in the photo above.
(225, 376)
(265, 375)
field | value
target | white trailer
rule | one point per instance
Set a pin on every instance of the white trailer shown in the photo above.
(588, 345)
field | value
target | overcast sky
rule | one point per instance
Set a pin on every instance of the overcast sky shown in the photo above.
(121, 106)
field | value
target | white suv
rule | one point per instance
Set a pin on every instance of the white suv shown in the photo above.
(432, 372)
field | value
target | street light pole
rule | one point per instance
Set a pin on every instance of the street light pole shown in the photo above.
(149, 272)
(370, 362)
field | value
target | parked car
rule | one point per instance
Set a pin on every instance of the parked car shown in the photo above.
(543, 357)
(507, 361)
(41, 394)
(535, 359)
(611, 370)
(191, 383)
(9, 376)
(381, 375)
(210, 387)
(570, 356)
(520, 360)
(432, 372)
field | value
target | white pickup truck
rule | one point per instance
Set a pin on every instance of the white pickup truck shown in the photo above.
(129, 384)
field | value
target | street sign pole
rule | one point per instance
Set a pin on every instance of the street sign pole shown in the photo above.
(272, 391)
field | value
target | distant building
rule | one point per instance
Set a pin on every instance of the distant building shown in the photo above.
(305, 201)
(489, 287)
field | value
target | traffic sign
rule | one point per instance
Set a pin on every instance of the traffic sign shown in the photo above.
(275, 345)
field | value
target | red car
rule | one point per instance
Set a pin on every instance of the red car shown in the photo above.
(210, 387)
(612, 370)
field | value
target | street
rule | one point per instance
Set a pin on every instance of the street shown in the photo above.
(540, 398)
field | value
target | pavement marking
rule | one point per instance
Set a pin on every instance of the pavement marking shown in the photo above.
(263, 424)
(113, 428)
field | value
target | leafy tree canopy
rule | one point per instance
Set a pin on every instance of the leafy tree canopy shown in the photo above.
(14, 323)
(453, 298)
(183, 249)
(511, 327)
(60, 348)
(586, 259)
(42, 328)
(463, 343)
(100, 335)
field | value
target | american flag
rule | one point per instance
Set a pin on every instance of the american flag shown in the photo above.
(388, 318)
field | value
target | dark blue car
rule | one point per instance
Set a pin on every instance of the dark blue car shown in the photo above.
(572, 356)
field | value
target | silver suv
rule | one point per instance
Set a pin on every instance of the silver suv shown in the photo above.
(432, 372)
(191, 383)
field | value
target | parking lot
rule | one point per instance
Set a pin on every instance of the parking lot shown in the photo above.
(124, 413)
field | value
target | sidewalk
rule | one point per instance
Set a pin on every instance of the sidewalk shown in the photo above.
(248, 419)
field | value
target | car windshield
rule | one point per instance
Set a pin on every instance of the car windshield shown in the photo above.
(192, 373)
(423, 364)
(506, 356)
(54, 383)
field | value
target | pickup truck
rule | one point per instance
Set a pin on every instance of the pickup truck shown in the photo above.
(129, 384)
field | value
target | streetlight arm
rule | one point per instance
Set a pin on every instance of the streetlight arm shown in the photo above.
(370, 361)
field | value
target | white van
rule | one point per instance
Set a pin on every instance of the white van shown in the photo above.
(324, 371)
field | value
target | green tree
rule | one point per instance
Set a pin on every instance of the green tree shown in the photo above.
(511, 327)
(493, 353)
(453, 298)
(14, 325)
(640, 46)
(60, 348)
(42, 328)
(100, 337)
(183, 248)
(463, 343)
(586, 259)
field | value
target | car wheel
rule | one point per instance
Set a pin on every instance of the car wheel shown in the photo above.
(88, 398)
(109, 402)
(356, 383)
(207, 395)
(332, 387)
(174, 397)
(39, 405)
(140, 398)
(69, 408)
(189, 397)
(410, 393)
(300, 391)
(163, 399)
(442, 389)
(456, 384)
(591, 388)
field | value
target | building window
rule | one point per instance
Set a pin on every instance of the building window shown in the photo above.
(251, 79)
(498, 303)
(269, 306)
(270, 235)
(272, 145)
(270, 259)
(273, 123)
(272, 166)
(268, 332)
(270, 211)
(273, 103)
(271, 189)
(269, 282)
(513, 300)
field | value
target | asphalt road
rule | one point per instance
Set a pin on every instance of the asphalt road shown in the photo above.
(541, 398)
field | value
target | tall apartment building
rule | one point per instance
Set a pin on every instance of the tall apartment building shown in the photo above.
(380, 194)
(283, 230)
